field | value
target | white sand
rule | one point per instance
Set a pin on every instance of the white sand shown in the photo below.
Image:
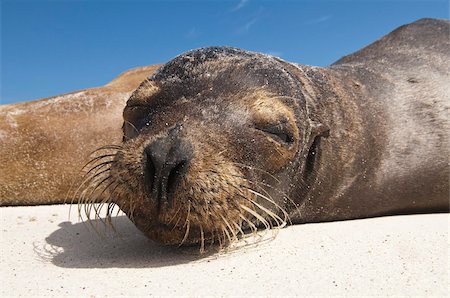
(45, 254)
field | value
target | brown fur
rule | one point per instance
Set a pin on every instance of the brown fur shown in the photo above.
(45, 143)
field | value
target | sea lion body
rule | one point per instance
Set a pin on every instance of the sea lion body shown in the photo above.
(45, 143)
(220, 141)
(388, 148)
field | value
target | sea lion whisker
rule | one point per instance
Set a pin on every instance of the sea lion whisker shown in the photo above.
(132, 125)
(89, 222)
(116, 147)
(88, 207)
(95, 175)
(266, 223)
(287, 218)
(267, 198)
(251, 225)
(111, 146)
(107, 147)
(258, 184)
(118, 209)
(109, 199)
(89, 180)
(188, 214)
(226, 233)
(95, 159)
(187, 224)
(99, 166)
(257, 169)
(93, 183)
(280, 222)
(98, 207)
(81, 203)
(256, 215)
(202, 237)
(173, 217)
(85, 180)
(176, 224)
(239, 228)
(286, 215)
(86, 203)
(186, 234)
(111, 204)
(109, 210)
(229, 227)
(268, 195)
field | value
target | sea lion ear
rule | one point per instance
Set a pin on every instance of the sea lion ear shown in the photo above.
(312, 150)
(318, 129)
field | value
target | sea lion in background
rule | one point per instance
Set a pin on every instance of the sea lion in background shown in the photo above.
(220, 141)
(45, 143)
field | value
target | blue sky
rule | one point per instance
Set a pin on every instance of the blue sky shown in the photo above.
(54, 47)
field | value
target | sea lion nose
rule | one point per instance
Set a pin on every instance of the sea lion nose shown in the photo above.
(166, 161)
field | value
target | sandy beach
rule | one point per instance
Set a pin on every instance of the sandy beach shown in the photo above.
(46, 254)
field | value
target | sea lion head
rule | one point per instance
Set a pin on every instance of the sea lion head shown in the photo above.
(214, 144)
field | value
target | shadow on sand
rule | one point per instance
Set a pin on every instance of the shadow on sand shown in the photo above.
(96, 245)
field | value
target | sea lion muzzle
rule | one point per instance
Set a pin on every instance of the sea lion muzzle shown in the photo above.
(165, 161)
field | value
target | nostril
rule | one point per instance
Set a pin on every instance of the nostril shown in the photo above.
(149, 172)
(175, 176)
(165, 161)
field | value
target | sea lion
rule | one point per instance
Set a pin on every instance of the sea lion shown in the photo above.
(44, 143)
(221, 140)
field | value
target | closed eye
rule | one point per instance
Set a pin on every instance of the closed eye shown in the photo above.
(134, 120)
(279, 133)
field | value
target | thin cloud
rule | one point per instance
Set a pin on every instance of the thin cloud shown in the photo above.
(246, 27)
(241, 4)
(318, 20)
(192, 33)
(250, 23)
(251, 20)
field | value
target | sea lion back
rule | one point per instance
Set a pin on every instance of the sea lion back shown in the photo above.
(423, 42)
(406, 78)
